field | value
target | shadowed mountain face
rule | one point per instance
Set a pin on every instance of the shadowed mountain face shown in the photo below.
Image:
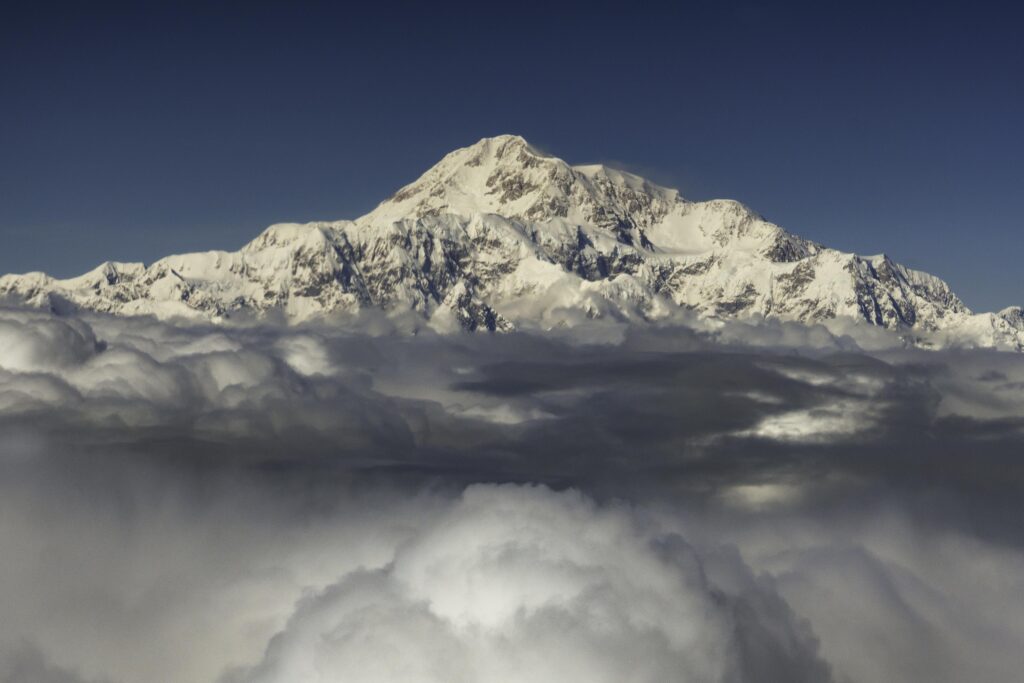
(499, 236)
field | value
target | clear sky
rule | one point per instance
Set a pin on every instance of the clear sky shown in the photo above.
(128, 132)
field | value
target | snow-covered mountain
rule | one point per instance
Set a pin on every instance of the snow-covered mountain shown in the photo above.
(499, 235)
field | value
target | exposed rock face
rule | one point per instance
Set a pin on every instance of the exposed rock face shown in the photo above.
(498, 235)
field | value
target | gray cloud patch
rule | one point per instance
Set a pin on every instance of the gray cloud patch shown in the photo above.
(27, 664)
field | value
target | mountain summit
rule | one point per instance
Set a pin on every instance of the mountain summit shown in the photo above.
(499, 235)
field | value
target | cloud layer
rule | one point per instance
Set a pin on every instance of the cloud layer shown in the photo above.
(264, 504)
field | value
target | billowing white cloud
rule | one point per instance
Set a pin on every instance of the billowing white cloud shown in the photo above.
(34, 342)
(523, 584)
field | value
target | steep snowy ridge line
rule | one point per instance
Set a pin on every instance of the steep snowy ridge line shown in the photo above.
(498, 235)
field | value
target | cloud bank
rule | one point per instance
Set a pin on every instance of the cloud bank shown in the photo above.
(280, 504)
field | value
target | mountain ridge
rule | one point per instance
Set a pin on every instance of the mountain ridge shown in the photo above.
(498, 235)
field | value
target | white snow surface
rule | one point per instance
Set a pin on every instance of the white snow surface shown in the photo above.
(498, 235)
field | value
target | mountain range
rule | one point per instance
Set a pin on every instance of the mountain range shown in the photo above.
(499, 236)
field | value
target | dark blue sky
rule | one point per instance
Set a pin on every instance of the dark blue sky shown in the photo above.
(128, 133)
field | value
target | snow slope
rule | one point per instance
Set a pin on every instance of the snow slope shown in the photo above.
(499, 235)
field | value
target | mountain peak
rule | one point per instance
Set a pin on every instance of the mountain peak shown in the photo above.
(463, 180)
(504, 145)
(506, 175)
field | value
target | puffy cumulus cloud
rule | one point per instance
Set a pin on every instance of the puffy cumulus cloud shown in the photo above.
(35, 342)
(522, 584)
(259, 503)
